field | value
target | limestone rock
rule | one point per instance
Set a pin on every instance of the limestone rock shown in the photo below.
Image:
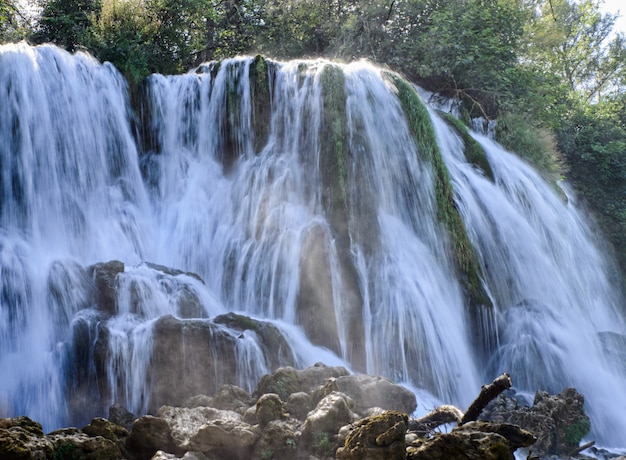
(198, 401)
(231, 397)
(322, 424)
(189, 357)
(22, 438)
(274, 345)
(184, 423)
(104, 276)
(148, 435)
(233, 439)
(380, 437)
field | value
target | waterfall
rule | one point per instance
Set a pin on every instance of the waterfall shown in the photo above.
(295, 195)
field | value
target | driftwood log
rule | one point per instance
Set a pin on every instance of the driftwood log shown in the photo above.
(487, 394)
(452, 414)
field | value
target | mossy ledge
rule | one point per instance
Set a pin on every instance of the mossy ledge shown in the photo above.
(335, 134)
(473, 151)
(261, 102)
(464, 254)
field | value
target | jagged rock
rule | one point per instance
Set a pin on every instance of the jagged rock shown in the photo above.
(559, 422)
(274, 345)
(104, 277)
(148, 435)
(22, 438)
(269, 407)
(322, 424)
(473, 441)
(185, 423)
(380, 437)
(286, 380)
(370, 391)
(120, 416)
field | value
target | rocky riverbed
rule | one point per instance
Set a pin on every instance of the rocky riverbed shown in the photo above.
(318, 413)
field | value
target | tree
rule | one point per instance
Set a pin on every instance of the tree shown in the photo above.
(65, 22)
(571, 40)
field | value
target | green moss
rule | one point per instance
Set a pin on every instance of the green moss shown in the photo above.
(334, 148)
(464, 254)
(65, 452)
(322, 444)
(261, 105)
(473, 151)
(574, 433)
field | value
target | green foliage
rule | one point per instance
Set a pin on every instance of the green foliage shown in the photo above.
(473, 151)
(322, 444)
(65, 452)
(594, 144)
(66, 22)
(122, 32)
(574, 433)
(534, 143)
(447, 212)
(336, 143)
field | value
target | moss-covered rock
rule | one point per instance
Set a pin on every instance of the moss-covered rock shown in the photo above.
(380, 437)
(473, 151)
(261, 103)
(447, 212)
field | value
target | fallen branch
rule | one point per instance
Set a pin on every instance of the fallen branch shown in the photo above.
(452, 414)
(578, 450)
(487, 394)
(440, 416)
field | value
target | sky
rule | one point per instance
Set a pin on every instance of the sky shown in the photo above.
(613, 6)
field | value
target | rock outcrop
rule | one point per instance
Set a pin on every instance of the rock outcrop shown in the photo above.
(558, 421)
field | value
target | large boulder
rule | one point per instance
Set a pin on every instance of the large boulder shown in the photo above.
(222, 433)
(148, 435)
(189, 357)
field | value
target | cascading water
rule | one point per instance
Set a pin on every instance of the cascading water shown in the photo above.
(305, 207)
